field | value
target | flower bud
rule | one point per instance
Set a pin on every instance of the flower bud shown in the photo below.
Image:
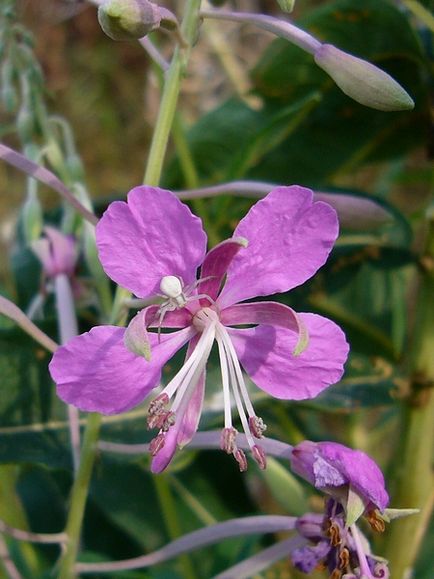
(31, 215)
(129, 19)
(362, 81)
(286, 5)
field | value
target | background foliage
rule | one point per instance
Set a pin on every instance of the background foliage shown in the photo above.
(305, 131)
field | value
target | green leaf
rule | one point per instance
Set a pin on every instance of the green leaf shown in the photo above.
(367, 383)
(285, 488)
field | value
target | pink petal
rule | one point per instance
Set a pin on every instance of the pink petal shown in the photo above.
(96, 372)
(268, 313)
(151, 236)
(215, 266)
(264, 353)
(163, 457)
(289, 239)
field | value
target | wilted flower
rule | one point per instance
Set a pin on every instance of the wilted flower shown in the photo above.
(153, 245)
(356, 486)
(350, 476)
(333, 545)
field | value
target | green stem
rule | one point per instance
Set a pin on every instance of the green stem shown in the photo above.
(79, 496)
(170, 95)
(415, 478)
(166, 113)
(191, 177)
(170, 517)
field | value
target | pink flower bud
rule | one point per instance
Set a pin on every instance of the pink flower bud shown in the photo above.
(362, 81)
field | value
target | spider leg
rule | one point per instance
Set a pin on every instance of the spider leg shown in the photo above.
(201, 297)
(164, 308)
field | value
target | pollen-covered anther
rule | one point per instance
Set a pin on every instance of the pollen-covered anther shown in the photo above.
(259, 456)
(376, 522)
(257, 426)
(157, 413)
(334, 533)
(158, 404)
(344, 558)
(156, 444)
(241, 459)
(227, 440)
(169, 420)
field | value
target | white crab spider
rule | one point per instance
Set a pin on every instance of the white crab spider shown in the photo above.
(177, 296)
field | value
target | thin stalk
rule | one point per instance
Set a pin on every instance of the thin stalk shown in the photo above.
(170, 95)
(7, 562)
(415, 479)
(79, 496)
(168, 508)
(68, 328)
(152, 177)
(166, 113)
(195, 505)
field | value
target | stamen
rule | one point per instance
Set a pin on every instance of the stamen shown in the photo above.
(241, 459)
(344, 558)
(227, 440)
(334, 533)
(158, 404)
(257, 426)
(169, 420)
(157, 412)
(225, 384)
(239, 374)
(199, 358)
(336, 574)
(187, 380)
(376, 522)
(156, 444)
(225, 341)
(259, 456)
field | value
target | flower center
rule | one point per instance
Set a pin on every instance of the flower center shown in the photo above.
(203, 318)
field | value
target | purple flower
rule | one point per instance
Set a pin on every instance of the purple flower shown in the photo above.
(330, 543)
(153, 245)
(56, 251)
(336, 469)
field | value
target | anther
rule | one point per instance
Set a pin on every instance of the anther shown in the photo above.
(158, 404)
(241, 459)
(156, 444)
(169, 420)
(257, 426)
(333, 532)
(259, 456)
(344, 558)
(336, 574)
(157, 414)
(376, 522)
(227, 440)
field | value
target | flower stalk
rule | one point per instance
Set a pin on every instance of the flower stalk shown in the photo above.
(68, 328)
(79, 495)
(415, 482)
(152, 176)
